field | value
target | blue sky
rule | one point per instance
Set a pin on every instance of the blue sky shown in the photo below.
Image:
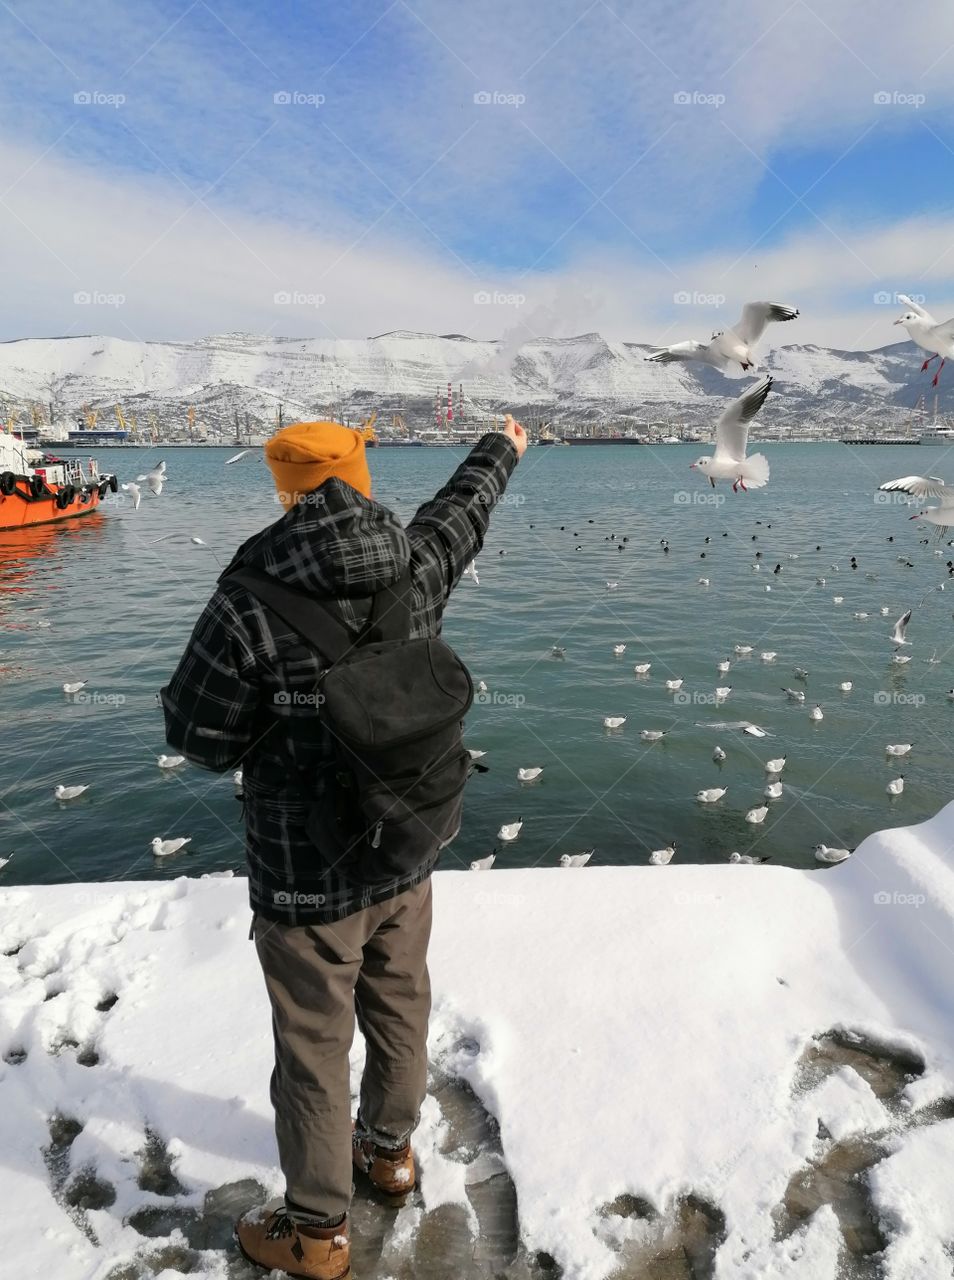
(628, 153)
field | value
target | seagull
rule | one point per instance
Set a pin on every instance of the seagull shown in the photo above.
(846, 686)
(898, 748)
(795, 695)
(775, 766)
(673, 685)
(576, 859)
(528, 775)
(729, 461)
(69, 793)
(711, 795)
(475, 754)
(619, 650)
(743, 648)
(757, 815)
(895, 786)
(773, 791)
(613, 722)
(769, 655)
(74, 686)
(484, 864)
(735, 345)
(136, 492)
(825, 853)
(238, 782)
(611, 585)
(170, 762)
(838, 599)
(510, 830)
(900, 627)
(164, 848)
(748, 859)
(652, 735)
(4, 861)
(723, 691)
(703, 582)
(471, 572)
(928, 334)
(899, 659)
(816, 713)
(859, 616)
(642, 668)
(481, 686)
(942, 516)
(723, 666)
(558, 651)
(718, 755)
(237, 457)
(662, 857)
(155, 478)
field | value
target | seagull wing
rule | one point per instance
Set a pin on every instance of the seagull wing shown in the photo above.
(918, 310)
(732, 429)
(919, 487)
(900, 627)
(944, 330)
(691, 350)
(756, 315)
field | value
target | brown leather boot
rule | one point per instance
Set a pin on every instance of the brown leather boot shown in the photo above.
(391, 1173)
(271, 1239)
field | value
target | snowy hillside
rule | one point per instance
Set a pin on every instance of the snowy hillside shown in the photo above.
(576, 379)
(749, 1068)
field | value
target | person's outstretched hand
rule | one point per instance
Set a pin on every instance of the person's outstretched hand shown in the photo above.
(513, 431)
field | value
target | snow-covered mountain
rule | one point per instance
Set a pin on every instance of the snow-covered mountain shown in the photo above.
(579, 379)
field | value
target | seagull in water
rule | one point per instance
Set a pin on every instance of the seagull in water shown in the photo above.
(895, 786)
(4, 861)
(775, 766)
(825, 853)
(928, 334)
(898, 748)
(510, 830)
(662, 857)
(74, 686)
(748, 859)
(576, 859)
(613, 722)
(165, 848)
(757, 815)
(711, 795)
(170, 762)
(484, 864)
(734, 346)
(729, 462)
(528, 775)
(942, 516)
(69, 793)
(718, 755)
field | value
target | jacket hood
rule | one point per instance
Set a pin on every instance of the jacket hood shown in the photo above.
(336, 542)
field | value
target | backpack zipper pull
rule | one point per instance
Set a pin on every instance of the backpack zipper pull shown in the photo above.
(376, 838)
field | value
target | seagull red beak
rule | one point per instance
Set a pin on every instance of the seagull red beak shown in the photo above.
(692, 466)
(899, 322)
(916, 517)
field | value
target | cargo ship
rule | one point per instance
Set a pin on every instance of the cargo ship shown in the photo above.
(40, 488)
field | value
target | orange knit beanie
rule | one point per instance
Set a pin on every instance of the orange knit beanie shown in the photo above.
(303, 456)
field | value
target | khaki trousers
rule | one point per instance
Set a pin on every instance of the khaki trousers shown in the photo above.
(372, 965)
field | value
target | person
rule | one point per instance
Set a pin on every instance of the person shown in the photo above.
(331, 948)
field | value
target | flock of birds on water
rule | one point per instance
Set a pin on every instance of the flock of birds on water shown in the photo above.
(726, 351)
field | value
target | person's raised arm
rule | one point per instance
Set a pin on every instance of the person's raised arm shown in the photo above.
(447, 532)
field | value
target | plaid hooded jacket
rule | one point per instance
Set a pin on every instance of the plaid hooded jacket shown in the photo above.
(243, 692)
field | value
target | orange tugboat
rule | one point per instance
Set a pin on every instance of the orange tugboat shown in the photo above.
(36, 488)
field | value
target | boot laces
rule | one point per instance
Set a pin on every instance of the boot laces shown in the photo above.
(279, 1226)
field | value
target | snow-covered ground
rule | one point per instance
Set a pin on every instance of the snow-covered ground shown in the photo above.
(719, 1037)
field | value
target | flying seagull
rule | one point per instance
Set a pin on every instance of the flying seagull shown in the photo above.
(927, 487)
(729, 462)
(928, 334)
(733, 347)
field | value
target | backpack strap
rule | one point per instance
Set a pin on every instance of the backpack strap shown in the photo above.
(390, 616)
(312, 618)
